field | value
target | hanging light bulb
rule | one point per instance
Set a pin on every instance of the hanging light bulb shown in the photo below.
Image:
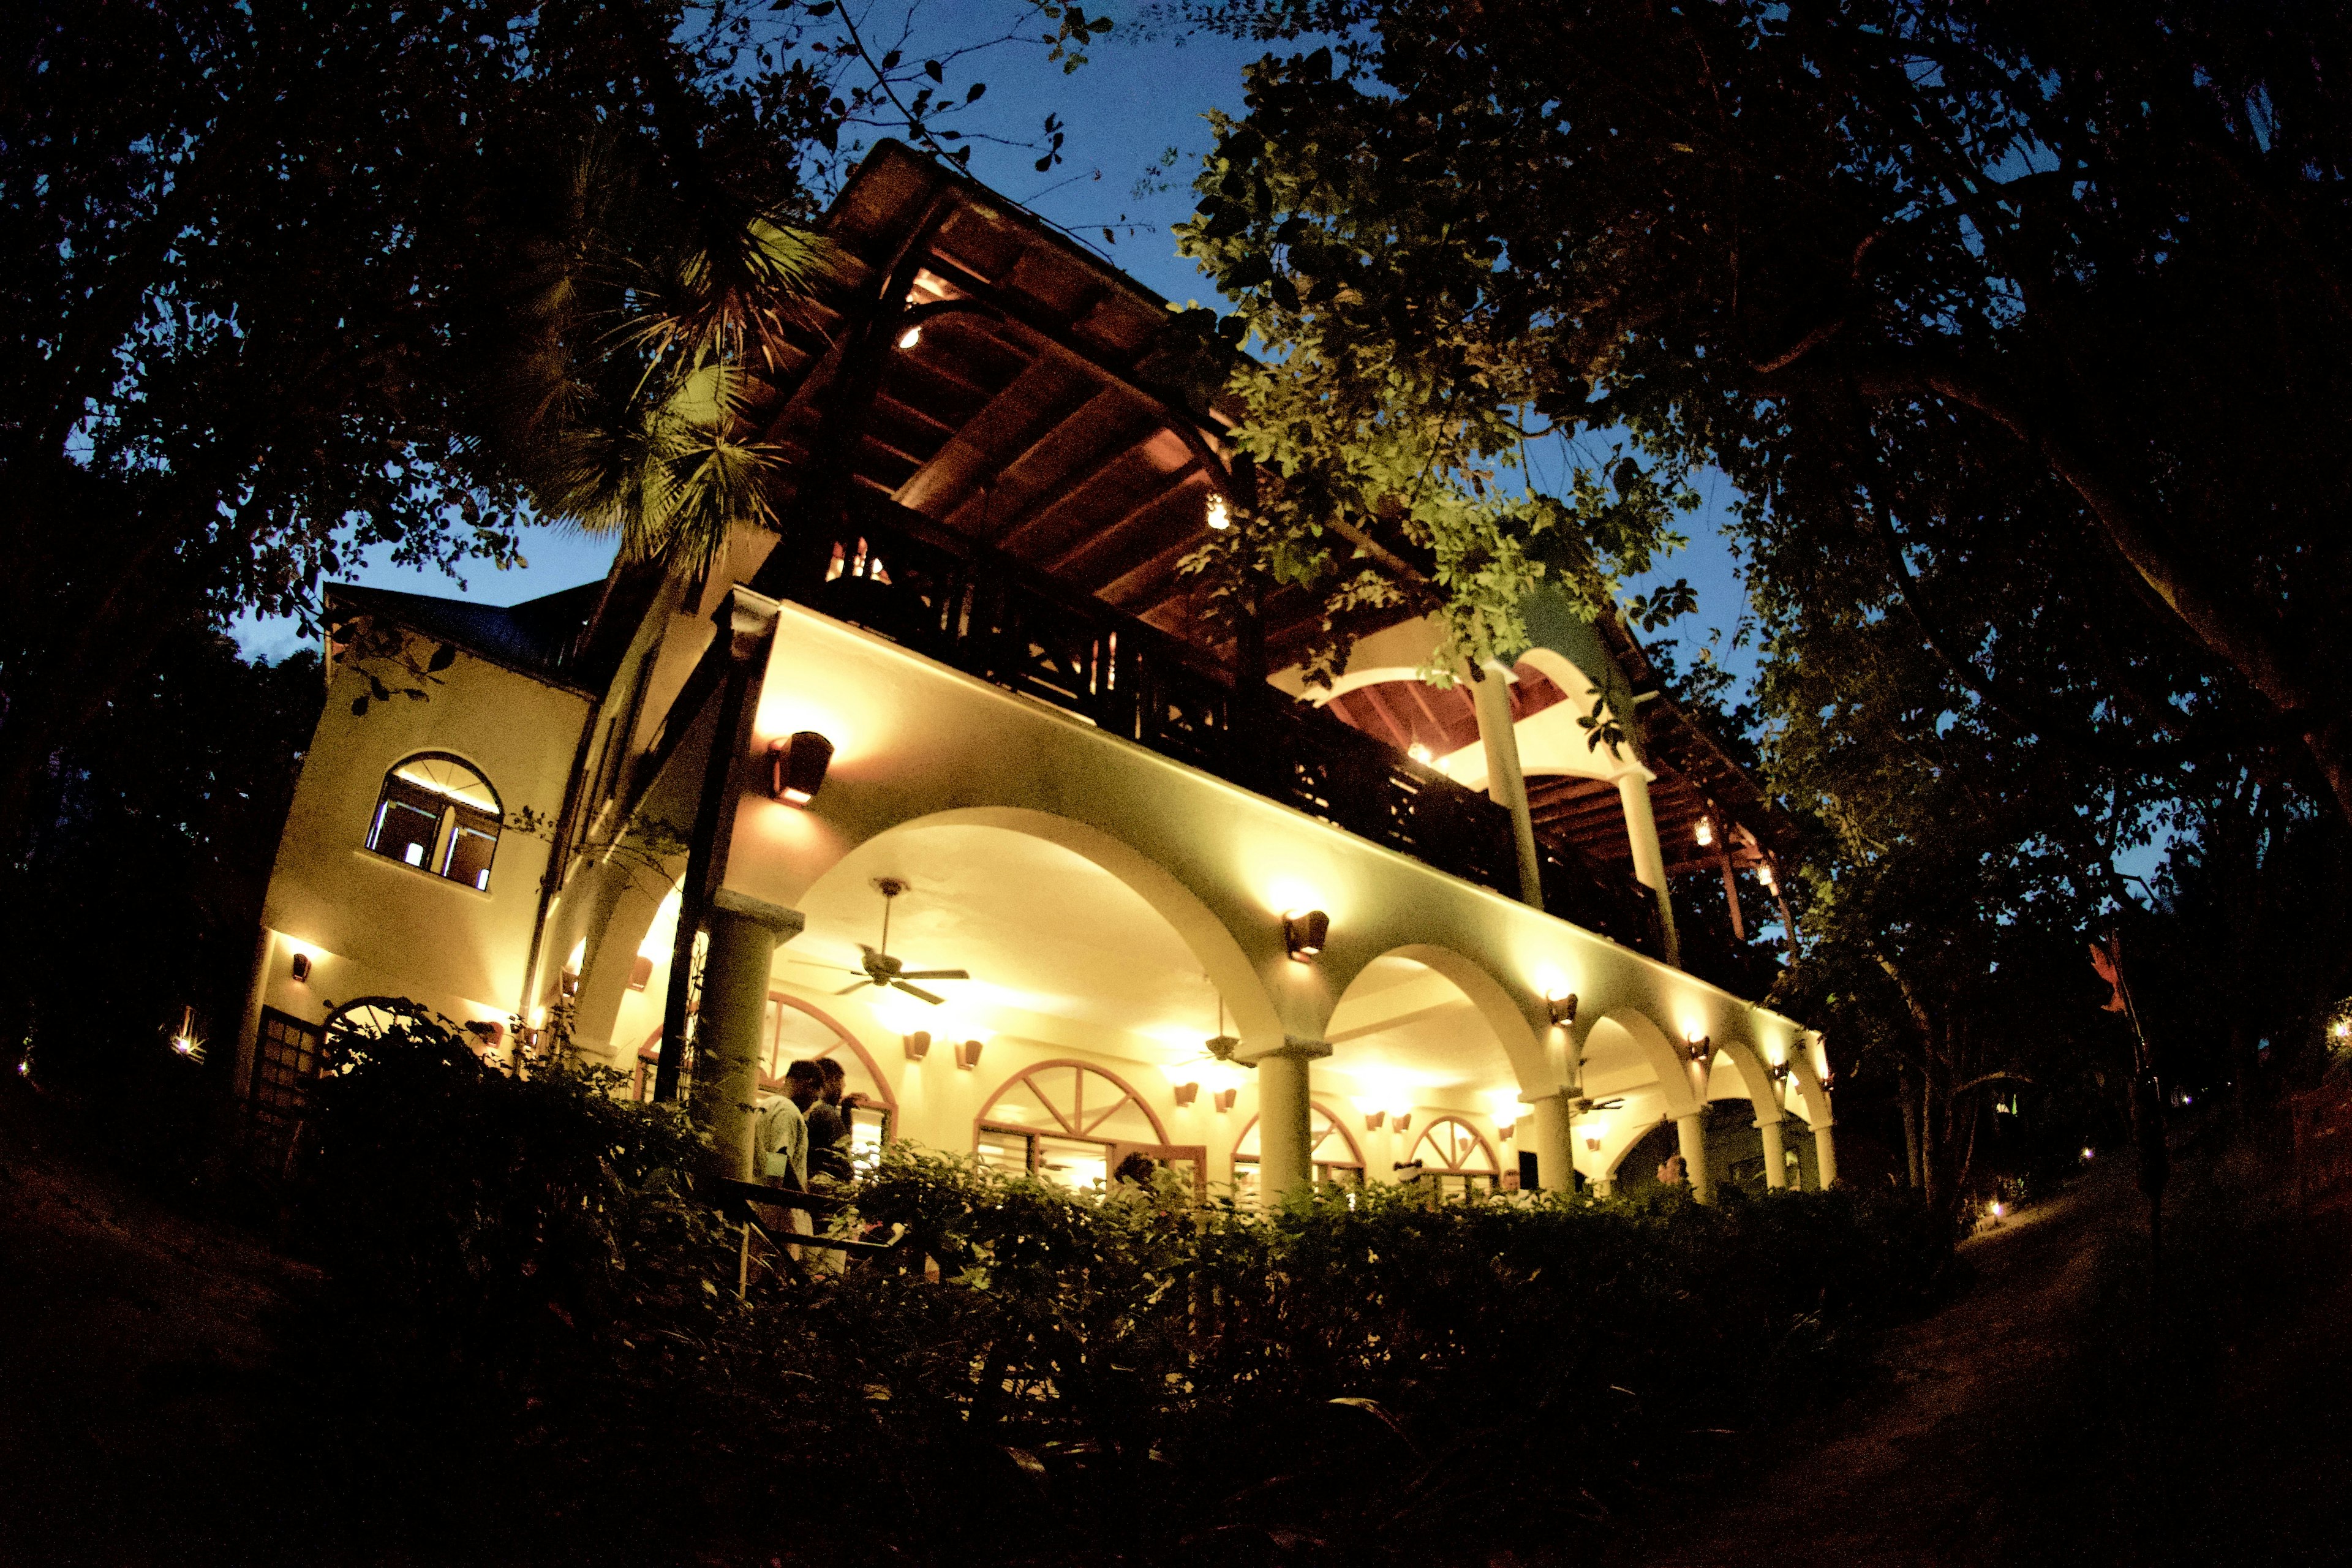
(1705, 833)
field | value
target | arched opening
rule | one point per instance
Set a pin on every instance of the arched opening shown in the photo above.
(1331, 1149)
(1069, 1122)
(797, 1030)
(1070, 949)
(437, 813)
(1423, 1035)
(1452, 1163)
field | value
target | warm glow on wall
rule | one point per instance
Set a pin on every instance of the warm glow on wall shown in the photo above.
(1503, 1105)
(661, 935)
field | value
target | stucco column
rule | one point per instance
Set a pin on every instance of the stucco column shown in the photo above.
(1691, 1131)
(1284, 1133)
(728, 1031)
(1776, 1159)
(1649, 857)
(1551, 1138)
(1505, 784)
(1825, 1154)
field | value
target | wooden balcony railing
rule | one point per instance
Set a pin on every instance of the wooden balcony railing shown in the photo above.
(981, 611)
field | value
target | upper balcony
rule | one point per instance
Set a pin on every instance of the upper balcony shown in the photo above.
(998, 456)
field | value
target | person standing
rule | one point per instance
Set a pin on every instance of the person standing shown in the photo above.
(784, 1134)
(828, 1127)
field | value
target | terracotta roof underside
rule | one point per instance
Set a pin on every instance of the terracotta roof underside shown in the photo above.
(1695, 781)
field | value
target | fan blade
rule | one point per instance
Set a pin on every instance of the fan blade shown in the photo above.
(817, 963)
(917, 990)
(852, 985)
(935, 974)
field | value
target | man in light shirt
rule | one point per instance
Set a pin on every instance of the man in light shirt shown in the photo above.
(784, 1141)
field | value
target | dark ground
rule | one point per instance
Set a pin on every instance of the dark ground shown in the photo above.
(2044, 1414)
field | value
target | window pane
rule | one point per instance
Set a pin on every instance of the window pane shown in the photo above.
(470, 851)
(1004, 1151)
(1073, 1162)
(404, 829)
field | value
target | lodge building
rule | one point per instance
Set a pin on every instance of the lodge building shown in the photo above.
(1274, 935)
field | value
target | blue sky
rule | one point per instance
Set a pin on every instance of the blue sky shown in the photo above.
(1137, 98)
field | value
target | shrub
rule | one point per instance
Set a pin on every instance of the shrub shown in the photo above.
(1087, 1375)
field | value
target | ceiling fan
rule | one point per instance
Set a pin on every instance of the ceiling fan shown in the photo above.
(879, 969)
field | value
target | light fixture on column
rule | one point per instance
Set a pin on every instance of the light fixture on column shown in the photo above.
(967, 1053)
(1562, 1009)
(1779, 1072)
(1303, 932)
(1698, 1048)
(1224, 1100)
(301, 969)
(1704, 832)
(796, 767)
(1186, 1093)
(919, 1045)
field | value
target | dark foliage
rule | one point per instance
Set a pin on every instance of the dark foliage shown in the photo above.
(142, 885)
(523, 1289)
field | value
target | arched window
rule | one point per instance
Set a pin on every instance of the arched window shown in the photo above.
(438, 814)
(1072, 1124)
(1454, 1161)
(1338, 1162)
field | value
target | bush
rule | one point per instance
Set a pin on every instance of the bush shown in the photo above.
(1086, 1375)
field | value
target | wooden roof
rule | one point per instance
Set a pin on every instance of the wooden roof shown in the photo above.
(1041, 405)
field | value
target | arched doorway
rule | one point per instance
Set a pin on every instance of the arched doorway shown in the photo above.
(1454, 1162)
(1332, 1150)
(1074, 1123)
(797, 1030)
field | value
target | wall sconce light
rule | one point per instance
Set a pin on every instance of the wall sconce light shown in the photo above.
(1779, 1071)
(968, 1053)
(1704, 832)
(1373, 1120)
(919, 1045)
(1220, 514)
(910, 337)
(489, 1033)
(1304, 931)
(1224, 1100)
(641, 973)
(1403, 1121)
(796, 767)
(569, 981)
(1562, 1008)
(1505, 1130)
(301, 969)
(1698, 1048)
(1186, 1093)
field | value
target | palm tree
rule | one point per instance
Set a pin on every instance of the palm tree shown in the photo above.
(636, 352)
